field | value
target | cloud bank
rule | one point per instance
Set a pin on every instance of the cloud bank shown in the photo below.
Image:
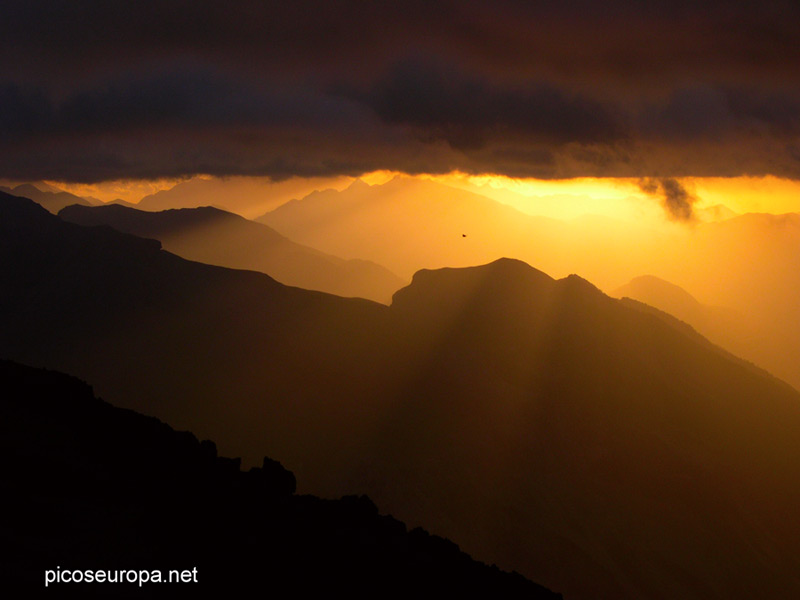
(92, 91)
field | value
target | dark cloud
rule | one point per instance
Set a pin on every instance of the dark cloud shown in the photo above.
(24, 112)
(177, 98)
(677, 201)
(100, 89)
(439, 101)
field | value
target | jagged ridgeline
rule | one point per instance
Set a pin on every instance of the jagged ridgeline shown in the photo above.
(91, 486)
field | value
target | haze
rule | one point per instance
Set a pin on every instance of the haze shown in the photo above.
(526, 275)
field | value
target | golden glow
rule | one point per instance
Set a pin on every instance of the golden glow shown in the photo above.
(621, 197)
(618, 198)
(417, 225)
(249, 196)
(584, 186)
(378, 177)
(750, 194)
(561, 199)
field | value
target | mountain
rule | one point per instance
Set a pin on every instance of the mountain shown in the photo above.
(44, 187)
(121, 202)
(664, 295)
(593, 447)
(409, 224)
(405, 224)
(610, 429)
(91, 486)
(247, 196)
(187, 194)
(716, 212)
(216, 237)
(764, 249)
(228, 354)
(722, 326)
(747, 264)
(50, 198)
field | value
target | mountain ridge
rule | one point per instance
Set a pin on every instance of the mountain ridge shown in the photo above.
(548, 427)
(132, 492)
(217, 237)
(50, 198)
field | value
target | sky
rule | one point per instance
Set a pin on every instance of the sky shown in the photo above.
(99, 91)
(623, 199)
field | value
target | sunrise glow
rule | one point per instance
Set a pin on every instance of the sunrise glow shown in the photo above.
(521, 275)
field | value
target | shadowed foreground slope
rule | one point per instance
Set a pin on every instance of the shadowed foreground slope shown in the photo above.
(91, 486)
(596, 448)
(230, 355)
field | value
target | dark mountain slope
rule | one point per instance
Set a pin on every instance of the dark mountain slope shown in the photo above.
(647, 458)
(216, 237)
(594, 447)
(91, 486)
(210, 349)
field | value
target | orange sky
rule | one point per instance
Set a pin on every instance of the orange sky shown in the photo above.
(621, 197)
(570, 198)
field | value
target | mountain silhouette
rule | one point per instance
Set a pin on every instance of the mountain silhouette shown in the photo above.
(664, 295)
(50, 198)
(722, 326)
(121, 202)
(594, 447)
(746, 264)
(216, 237)
(111, 307)
(187, 194)
(90, 486)
(247, 196)
(406, 224)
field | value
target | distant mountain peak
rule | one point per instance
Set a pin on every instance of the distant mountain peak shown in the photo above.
(502, 267)
(358, 185)
(649, 288)
(501, 279)
(26, 188)
(579, 282)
